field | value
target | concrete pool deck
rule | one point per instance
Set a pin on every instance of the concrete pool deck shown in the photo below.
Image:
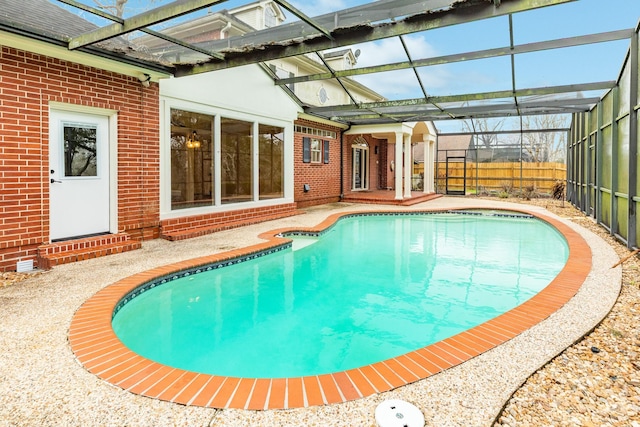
(42, 384)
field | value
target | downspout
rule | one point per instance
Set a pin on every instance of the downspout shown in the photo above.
(342, 161)
(224, 30)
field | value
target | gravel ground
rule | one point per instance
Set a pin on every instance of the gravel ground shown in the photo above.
(595, 382)
(41, 384)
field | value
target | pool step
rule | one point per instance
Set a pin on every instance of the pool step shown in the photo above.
(387, 198)
(67, 251)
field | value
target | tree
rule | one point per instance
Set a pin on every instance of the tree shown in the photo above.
(116, 8)
(80, 145)
(119, 7)
(480, 127)
(545, 146)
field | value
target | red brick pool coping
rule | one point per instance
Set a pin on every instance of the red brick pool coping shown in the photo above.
(99, 350)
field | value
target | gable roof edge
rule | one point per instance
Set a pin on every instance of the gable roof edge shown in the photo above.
(90, 57)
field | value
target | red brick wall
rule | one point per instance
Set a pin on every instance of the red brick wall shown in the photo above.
(204, 37)
(223, 220)
(386, 156)
(377, 168)
(28, 82)
(323, 178)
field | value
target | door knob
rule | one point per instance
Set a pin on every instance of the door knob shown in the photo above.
(55, 180)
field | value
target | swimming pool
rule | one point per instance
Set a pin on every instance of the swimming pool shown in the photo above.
(370, 288)
(101, 352)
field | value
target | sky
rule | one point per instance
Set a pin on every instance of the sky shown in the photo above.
(557, 67)
(600, 62)
(562, 66)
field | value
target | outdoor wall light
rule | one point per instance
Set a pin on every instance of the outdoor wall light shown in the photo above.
(144, 79)
(306, 188)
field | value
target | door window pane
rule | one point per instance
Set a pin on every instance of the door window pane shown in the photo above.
(360, 152)
(236, 138)
(357, 168)
(80, 150)
(271, 169)
(191, 159)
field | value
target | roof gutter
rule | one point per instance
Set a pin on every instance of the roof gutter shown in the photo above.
(30, 36)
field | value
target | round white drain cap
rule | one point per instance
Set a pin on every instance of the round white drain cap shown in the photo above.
(398, 413)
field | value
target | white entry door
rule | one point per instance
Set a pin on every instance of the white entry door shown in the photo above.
(79, 174)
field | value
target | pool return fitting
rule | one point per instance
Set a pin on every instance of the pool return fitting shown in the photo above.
(398, 413)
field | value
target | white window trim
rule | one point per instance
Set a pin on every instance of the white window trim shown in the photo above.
(167, 104)
(317, 152)
(270, 12)
(364, 147)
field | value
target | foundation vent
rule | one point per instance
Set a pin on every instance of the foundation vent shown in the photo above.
(24, 266)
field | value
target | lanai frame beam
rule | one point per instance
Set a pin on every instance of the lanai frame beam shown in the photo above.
(485, 111)
(281, 41)
(142, 20)
(119, 20)
(547, 90)
(304, 17)
(468, 56)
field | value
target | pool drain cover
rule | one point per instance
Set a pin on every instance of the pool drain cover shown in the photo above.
(398, 413)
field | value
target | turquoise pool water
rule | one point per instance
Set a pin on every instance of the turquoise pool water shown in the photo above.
(370, 288)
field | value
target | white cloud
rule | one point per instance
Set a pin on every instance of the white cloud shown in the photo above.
(402, 83)
(392, 85)
(438, 80)
(390, 50)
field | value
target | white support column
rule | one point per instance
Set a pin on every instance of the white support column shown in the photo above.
(255, 162)
(429, 163)
(217, 160)
(434, 158)
(397, 170)
(408, 166)
(432, 166)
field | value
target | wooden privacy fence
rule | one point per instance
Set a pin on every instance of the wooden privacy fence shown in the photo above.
(497, 176)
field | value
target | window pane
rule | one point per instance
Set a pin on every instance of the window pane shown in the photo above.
(191, 159)
(80, 156)
(316, 153)
(236, 161)
(271, 169)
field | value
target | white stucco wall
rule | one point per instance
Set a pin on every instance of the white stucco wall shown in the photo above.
(243, 93)
(245, 89)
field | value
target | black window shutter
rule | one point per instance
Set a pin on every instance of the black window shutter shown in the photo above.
(325, 145)
(306, 150)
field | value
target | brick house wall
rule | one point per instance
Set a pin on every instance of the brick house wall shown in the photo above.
(28, 82)
(378, 162)
(323, 178)
(187, 227)
(386, 156)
